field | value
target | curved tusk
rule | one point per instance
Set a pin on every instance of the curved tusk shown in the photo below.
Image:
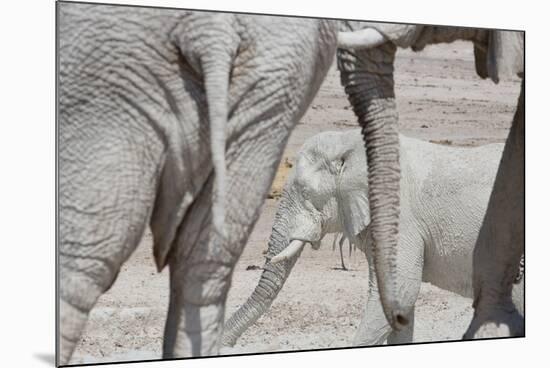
(292, 250)
(363, 39)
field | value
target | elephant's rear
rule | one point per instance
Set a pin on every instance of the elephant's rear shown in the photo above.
(109, 148)
(108, 158)
(107, 57)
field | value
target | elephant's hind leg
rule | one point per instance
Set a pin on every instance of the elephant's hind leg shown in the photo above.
(72, 322)
(106, 195)
(202, 262)
(196, 311)
(200, 272)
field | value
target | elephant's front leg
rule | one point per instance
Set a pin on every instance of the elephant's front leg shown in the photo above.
(374, 328)
(500, 244)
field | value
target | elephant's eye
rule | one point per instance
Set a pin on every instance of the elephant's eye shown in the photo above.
(341, 164)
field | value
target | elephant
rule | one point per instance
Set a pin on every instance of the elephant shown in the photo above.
(500, 244)
(444, 195)
(174, 119)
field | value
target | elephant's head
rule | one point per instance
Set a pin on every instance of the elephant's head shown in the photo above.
(366, 61)
(325, 193)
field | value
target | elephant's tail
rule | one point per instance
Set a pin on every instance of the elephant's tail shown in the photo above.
(216, 82)
(216, 63)
(208, 44)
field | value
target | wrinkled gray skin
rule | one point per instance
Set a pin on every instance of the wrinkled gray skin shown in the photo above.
(500, 244)
(444, 195)
(178, 120)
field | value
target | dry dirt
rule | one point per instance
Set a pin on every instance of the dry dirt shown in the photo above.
(440, 99)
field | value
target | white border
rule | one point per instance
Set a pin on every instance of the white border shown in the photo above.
(27, 181)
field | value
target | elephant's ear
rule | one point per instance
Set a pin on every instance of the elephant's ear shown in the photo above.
(353, 203)
(355, 213)
(503, 57)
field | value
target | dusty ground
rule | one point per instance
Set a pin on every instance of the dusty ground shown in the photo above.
(441, 99)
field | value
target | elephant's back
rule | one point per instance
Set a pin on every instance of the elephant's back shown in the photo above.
(98, 43)
(82, 28)
(115, 64)
(437, 165)
(453, 183)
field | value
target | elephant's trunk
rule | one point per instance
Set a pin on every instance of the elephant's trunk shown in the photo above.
(368, 79)
(272, 279)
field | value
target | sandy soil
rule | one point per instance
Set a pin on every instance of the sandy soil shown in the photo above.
(440, 99)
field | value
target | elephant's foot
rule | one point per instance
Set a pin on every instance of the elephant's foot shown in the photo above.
(492, 329)
(499, 323)
(73, 321)
(198, 331)
(368, 335)
(373, 339)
